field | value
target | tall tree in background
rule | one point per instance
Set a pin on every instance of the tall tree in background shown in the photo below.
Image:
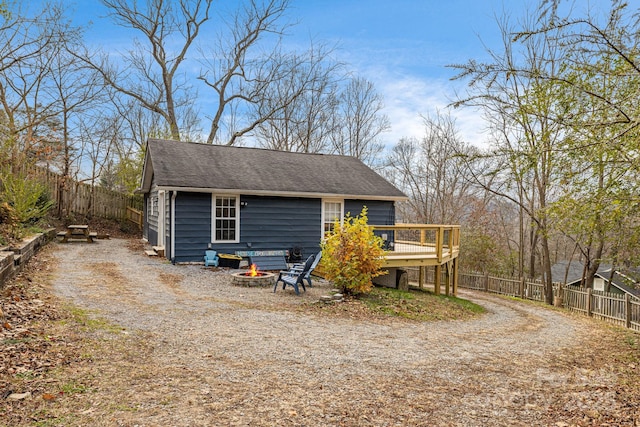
(602, 79)
(302, 106)
(429, 170)
(27, 111)
(521, 106)
(599, 182)
(152, 72)
(240, 70)
(361, 122)
(78, 91)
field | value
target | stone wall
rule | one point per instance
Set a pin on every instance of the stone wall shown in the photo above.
(14, 258)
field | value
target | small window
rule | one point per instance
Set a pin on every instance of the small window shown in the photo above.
(226, 219)
(331, 211)
(598, 284)
(152, 206)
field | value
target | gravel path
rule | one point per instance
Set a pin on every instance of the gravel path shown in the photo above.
(216, 354)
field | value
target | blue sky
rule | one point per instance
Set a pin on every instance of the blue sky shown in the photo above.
(403, 46)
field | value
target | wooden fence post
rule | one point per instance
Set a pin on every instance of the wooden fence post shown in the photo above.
(486, 282)
(588, 301)
(521, 287)
(627, 310)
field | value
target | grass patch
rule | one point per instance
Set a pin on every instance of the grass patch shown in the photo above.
(87, 323)
(383, 303)
(73, 387)
(419, 304)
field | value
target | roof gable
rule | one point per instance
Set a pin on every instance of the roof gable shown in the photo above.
(245, 170)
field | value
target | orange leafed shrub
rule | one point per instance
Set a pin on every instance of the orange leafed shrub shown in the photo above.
(352, 255)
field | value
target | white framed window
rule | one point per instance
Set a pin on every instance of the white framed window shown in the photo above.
(152, 205)
(332, 209)
(226, 219)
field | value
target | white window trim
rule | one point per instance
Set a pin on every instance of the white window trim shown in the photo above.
(150, 205)
(154, 205)
(213, 218)
(325, 201)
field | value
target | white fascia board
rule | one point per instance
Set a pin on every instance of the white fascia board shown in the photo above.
(147, 173)
(281, 193)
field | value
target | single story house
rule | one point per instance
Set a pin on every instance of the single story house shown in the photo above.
(573, 270)
(235, 199)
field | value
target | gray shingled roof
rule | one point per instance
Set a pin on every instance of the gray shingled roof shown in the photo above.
(257, 171)
(576, 268)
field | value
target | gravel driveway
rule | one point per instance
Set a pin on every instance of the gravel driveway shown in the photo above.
(210, 353)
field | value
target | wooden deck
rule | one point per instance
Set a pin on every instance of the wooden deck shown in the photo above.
(415, 245)
(413, 255)
(424, 246)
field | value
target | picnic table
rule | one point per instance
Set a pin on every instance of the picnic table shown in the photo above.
(77, 232)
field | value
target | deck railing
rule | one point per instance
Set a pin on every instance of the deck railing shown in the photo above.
(135, 216)
(417, 239)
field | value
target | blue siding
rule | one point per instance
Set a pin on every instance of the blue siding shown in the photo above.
(266, 223)
(145, 224)
(379, 212)
(192, 226)
(277, 223)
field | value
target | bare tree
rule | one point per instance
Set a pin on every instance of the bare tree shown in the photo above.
(302, 106)
(520, 106)
(27, 113)
(152, 70)
(430, 171)
(361, 121)
(242, 72)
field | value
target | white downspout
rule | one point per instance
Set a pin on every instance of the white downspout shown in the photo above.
(174, 194)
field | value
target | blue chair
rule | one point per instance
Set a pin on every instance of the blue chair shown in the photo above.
(307, 275)
(294, 277)
(210, 258)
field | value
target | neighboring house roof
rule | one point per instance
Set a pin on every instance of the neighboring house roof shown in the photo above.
(574, 276)
(190, 166)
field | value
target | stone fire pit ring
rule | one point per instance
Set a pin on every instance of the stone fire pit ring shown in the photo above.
(261, 280)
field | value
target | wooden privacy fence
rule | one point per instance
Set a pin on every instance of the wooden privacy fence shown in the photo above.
(621, 309)
(85, 199)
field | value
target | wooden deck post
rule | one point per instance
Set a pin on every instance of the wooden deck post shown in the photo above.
(439, 243)
(421, 276)
(436, 280)
(447, 283)
(455, 277)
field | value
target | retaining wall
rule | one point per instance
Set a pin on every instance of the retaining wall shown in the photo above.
(14, 258)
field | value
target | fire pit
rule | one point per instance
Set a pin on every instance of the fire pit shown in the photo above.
(253, 277)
